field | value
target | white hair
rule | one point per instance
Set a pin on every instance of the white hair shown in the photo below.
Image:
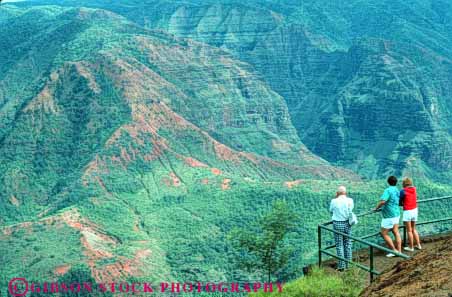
(342, 190)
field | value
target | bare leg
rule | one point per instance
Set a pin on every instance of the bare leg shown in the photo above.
(387, 238)
(398, 240)
(409, 231)
(417, 240)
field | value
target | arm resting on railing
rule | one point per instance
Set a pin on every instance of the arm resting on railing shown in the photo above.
(368, 243)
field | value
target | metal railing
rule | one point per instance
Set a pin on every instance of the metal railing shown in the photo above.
(372, 246)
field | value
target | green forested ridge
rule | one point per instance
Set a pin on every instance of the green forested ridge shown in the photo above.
(339, 66)
(112, 137)
(135, 136)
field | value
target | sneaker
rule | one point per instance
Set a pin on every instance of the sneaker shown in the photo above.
(390, 255)
(419, 247)
(408, 249)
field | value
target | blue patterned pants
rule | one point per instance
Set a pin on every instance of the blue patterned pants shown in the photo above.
(343, 244)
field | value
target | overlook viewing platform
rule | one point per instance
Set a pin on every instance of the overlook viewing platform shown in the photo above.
(368, 251)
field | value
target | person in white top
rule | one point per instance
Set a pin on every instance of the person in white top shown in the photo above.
(341, 208)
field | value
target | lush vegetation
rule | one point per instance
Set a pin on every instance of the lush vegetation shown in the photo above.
(136, 152)
(367, 84)
(187, 232)
(262, 247)
(321, 284)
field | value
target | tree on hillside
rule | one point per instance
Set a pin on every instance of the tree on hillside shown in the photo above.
(265, 249)
(81, 274)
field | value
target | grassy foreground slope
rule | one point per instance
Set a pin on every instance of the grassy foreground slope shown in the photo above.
(321, 284)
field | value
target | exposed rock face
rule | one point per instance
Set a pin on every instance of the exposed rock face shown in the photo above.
(367, 85)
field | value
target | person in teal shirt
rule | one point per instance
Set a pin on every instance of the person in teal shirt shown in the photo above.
(390, 210)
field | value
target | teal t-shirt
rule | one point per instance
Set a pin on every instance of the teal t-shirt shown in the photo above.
(391, 208)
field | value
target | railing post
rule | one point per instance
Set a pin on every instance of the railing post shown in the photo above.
(371, 263)
(319, 237)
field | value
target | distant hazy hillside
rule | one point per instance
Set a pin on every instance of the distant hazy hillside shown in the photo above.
(367, 83)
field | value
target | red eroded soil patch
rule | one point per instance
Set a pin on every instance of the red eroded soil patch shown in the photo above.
(226, 184)
(216, 171)
(175, 179)
(61, 270)
(194, 163)
(291, 184)
(44, 102)
(97, 245)
(172, 181)
(94, 241)
(252, 157)
(123, 268)
(225, 153)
